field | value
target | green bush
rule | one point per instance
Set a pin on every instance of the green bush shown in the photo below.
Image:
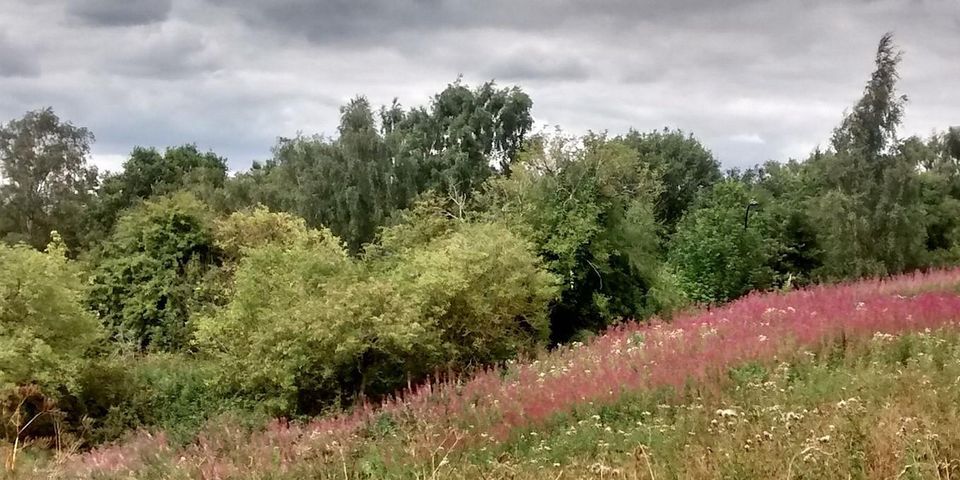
(173, 392)
(309, 327)
(45, 331)
(485, 291)
(715, 256)
(157, 268)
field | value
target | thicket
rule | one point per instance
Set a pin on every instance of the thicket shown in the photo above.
(417, 242)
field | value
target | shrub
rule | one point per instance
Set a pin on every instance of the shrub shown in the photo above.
(485, 291)
(173, 392)
(309, 327)
(154, 271)
(716, 257)
(259, 227)
(45, 330)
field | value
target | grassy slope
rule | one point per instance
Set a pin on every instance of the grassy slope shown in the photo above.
(772, 386)
(889, 408)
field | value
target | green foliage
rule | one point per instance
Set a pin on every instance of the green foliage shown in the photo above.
(354, 183)
(483, 288)
(258, 227)
(156, 268)
(785, 191)
(684, 165)
(280, 312)
(149, 173)
(45, 330)
(589, 209)
(717, 258)
(449, 147)
(173, 392)
(870, 130)
(437, 238)
(333, 327)
(870, 203)
(46, 181)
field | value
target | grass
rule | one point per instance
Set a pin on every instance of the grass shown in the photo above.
(799, 385)
(888, 408)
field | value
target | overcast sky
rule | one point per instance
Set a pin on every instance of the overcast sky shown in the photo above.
(754, 80)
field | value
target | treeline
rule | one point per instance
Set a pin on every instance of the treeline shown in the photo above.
(417, 241)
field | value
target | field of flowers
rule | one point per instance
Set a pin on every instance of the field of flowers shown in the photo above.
(490, 420)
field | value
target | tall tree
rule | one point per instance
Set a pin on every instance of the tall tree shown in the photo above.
(45, 182)
(870, 213)
(868, 134)
(343, 184)
(589, 208)
(463, 138)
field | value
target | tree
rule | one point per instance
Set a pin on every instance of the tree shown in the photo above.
(450, 146)
(45, 182)
(156, 270)
(870, 206)
(870, 130)
(149, 173)
(684, 166)
(716, 253)
(588, 206)
(785, 191)
(354, 183)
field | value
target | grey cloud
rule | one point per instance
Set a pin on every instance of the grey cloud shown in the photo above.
(15, 60)
(166, 54)
(358, 22)
(233, 75)
(538, 65)
(120, 12)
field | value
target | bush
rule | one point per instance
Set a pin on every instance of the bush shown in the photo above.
(309, 327)
(716, 258)
(259, 227)
(173, 392)
(45, 331)
(485, 291)
(154, 271)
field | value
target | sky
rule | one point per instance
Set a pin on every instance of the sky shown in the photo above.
(753, 80)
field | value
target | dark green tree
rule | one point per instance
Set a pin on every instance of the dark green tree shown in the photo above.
(461, 139)
(589, 209)
(684, 165)
(148, 173)
(718, 255)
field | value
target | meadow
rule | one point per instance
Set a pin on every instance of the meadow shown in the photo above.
(860, 378)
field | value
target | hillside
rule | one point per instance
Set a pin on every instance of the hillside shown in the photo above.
(858, 378)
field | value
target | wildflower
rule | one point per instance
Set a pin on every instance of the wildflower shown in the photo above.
(726, 413)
